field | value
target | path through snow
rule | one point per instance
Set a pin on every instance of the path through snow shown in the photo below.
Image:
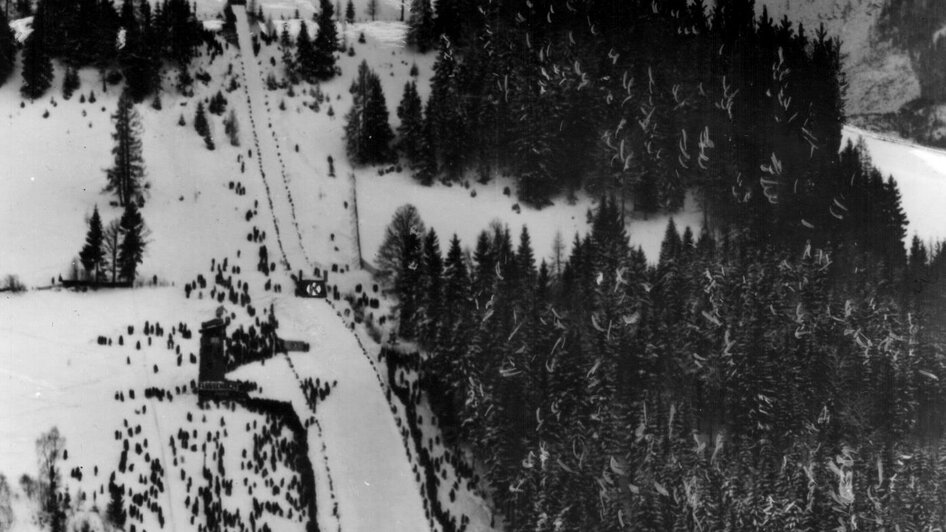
(355, 446)
(267, 149)
(372, 476)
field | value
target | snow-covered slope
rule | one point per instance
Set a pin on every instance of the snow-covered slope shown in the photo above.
(203, 206)
(373, 481)
(920, 173)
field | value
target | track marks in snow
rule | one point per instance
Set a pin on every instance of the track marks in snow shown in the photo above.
(324, 448)
(268, 149)
(246, 55)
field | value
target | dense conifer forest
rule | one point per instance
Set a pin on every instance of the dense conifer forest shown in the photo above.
(134, 40)
(733, 385)
(780, 370)
(643, 100)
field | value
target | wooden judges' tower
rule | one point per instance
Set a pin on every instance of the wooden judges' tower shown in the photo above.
(213, 363)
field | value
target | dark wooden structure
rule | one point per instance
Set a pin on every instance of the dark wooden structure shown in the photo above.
(211, 377)
(213, 361)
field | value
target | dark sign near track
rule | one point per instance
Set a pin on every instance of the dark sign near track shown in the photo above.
(311, 288)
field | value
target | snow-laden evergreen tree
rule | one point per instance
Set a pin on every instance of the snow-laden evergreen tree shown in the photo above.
(457, 300)
(132, 248)
(7, 49)
(367, 132)
(422, 30)
(126, 176)
(371, 9)
(37, 64)
(326, 42)
(446, 112)
(411, 130)
(426, 167)
(305, 62)
(430, 307)
(70, 82)
(484, 272)
(350, 12)
(93, 252)
(407, 285)
(202, 126)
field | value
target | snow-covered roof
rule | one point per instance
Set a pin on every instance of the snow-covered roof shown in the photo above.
(213, 25)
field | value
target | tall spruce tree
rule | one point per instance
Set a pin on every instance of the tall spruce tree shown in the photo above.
(407, 285)
(326, 42)
(93, 252)
(421, 29)
(37, 62)
(126, 176)
(305, 63)
(202, 126)
(367, 132)
(430, 310)
(132, 248)
(457, 296)
(411, 130)
(350, 12)
(426, 168)
(446, 113)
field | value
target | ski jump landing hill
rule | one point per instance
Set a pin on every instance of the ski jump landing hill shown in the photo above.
(363, 475)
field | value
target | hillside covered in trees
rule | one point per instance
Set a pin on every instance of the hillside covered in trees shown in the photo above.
(732, 385)
(643, 100)
(780, 370)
